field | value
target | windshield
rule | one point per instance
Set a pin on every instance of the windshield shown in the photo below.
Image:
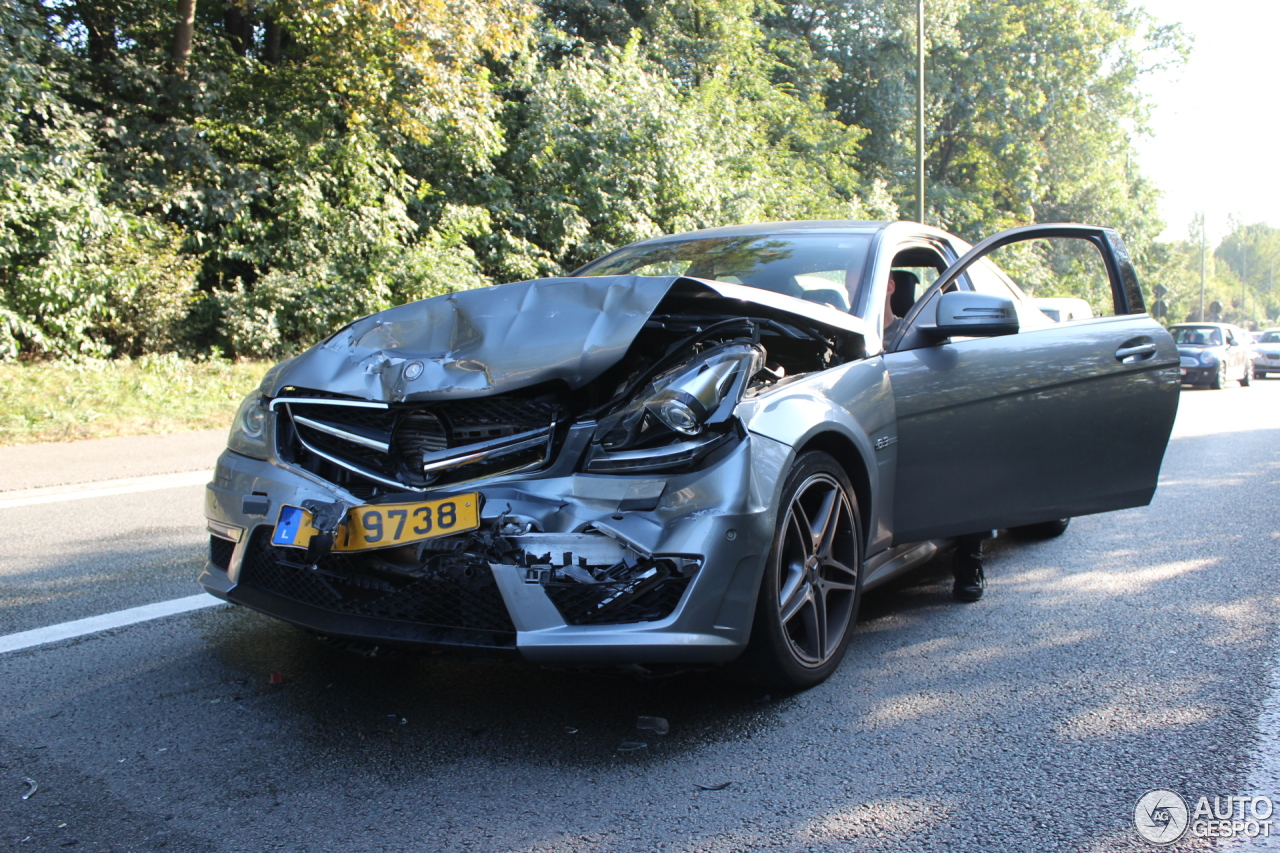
(818, 268)
(1204, 336)
(1269, 338)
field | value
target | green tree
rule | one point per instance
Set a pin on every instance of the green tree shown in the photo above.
(1251, 253)
(77, 273)
(613, 149)
(1031, 106)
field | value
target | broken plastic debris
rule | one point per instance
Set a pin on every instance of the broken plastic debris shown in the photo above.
(31, 790)
(632, 745)
(578, 573)
(277, 678)
(720, 787)
(657, 725)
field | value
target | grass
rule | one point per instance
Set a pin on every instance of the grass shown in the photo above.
(65, 401)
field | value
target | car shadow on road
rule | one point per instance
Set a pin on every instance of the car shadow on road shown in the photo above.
(433, 709)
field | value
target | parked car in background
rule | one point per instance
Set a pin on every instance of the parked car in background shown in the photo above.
(1213, 354)
(1266, 353)
(698, 449)
(1063, 309)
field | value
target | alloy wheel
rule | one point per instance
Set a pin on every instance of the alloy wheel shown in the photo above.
(1219, 377)
(817, 570)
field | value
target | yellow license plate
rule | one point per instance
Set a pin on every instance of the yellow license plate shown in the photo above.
(383, 525)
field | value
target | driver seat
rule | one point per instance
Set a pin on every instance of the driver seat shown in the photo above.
(904, 291)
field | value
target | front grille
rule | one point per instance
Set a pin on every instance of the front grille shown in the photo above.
(616, 602)
(392, 447)
(455, 592)
(1187, 361)
(220, 551)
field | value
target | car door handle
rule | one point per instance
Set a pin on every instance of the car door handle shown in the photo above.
(1128, 355)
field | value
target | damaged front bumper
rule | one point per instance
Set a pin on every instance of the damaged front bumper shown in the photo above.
(566, 569)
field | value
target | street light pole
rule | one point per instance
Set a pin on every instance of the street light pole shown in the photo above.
(1244, 275)
(920, 111)
(1203, 238)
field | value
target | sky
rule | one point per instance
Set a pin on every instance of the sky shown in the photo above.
(1216, 122)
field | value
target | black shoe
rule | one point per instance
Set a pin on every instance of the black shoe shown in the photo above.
(969, 581)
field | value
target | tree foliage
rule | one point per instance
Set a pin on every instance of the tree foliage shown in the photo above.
(244, 175)
(1238, 275)
(1031, 106)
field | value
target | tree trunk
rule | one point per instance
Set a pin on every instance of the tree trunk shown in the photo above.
(271, 43)
(238, 23)
(182, 33)
(100, 31)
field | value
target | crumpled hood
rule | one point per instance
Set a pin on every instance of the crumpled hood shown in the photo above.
(499, 339)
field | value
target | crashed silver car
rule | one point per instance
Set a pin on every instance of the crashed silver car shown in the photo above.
(699, 449)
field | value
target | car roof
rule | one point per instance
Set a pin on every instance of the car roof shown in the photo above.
(762, 229)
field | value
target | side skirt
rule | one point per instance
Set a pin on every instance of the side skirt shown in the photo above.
(892, 562)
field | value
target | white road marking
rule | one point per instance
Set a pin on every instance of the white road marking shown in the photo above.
(102, 489)
(105, 622)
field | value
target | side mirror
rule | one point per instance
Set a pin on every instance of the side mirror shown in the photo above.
(966, 314)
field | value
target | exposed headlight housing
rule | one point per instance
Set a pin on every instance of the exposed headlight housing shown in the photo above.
(249, 429)
(1207, 357)
(680, 416)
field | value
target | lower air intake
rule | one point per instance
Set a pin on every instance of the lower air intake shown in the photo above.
(458, 594)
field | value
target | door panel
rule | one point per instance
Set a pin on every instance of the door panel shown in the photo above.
(1055, 421)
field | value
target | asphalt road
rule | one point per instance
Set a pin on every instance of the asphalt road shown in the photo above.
(1137, 651)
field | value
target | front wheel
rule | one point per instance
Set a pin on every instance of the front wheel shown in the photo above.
(812, 583)
(1219, 377)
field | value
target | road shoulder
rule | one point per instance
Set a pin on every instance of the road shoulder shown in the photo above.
(32, 466)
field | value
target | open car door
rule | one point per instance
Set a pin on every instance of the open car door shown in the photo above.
(1001, 425)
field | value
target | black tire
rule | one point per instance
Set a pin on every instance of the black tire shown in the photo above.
(1247, 379)
(812, 582)
(1043, 530)
(1219, 377)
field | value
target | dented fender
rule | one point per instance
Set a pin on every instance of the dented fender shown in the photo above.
(807, 410)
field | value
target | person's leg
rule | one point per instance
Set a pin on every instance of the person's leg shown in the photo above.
(966, 566)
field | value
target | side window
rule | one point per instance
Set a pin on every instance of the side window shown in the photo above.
(913, 270)
(985, 277)
(1064, 279)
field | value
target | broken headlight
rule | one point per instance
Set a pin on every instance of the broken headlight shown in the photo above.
(680, 416)
(249, 429)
